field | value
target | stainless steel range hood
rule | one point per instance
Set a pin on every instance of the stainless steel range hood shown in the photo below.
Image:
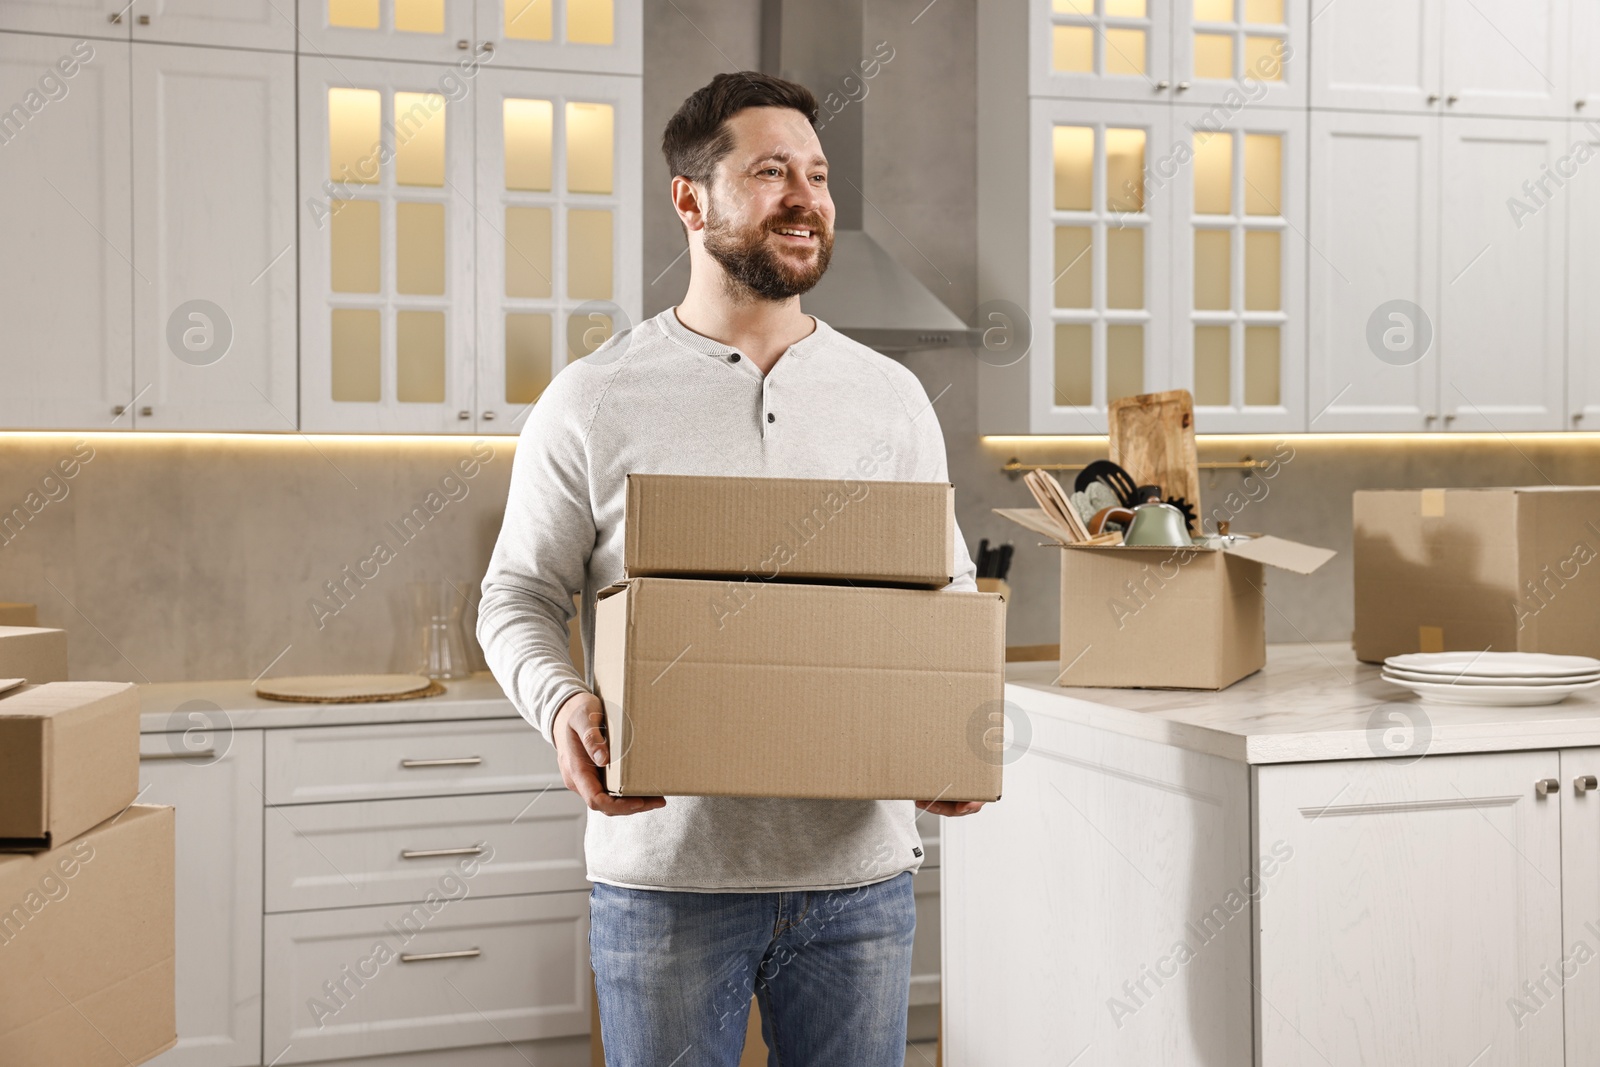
(865, 294)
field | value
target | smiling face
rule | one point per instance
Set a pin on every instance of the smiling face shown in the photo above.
(769, 218)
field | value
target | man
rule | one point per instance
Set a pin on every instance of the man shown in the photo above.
(698, 901)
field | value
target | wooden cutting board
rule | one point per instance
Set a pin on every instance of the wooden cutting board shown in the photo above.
(1152, 438)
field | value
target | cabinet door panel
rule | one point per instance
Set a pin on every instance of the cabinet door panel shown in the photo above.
(1583, 278)
(218, 891)
(386, 264)
(1374, 242)
(1238, 54)
(1377, 54)
(1506, 57)
(438, 30)
(604, 37)
(1580, 901)
(1415, 899)
(1079, 49)
(1503, 277)
(214, 328)
(79, 18)
(255, 24)
(67, 362)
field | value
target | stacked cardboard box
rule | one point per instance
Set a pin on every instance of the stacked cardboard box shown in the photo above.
(86, 889)
(34, 653)
(789, 637)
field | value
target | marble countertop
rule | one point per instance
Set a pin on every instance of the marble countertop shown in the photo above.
(164, 706)
(1310, 702)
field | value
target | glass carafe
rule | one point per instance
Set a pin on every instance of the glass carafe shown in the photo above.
(438, 645)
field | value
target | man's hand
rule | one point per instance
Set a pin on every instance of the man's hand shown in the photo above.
(581, 749)
(951, 808)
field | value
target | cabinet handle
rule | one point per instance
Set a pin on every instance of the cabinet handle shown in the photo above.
(463, 44)
(459, 761)
(1183, 87)
(1448, 419)
(430, 853)
(1545, 786)
(1583, 783)
(488, 416)
(1433, 98)
(424, 957)
(1577, 105)
(488, 46)
(147, 410)
(144, 20)
(199, 753)
(463, 414)
(1452, 98)
(1163, 86)
(114, 18)
(118, 409)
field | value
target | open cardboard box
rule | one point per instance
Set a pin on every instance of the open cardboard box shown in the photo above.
(1162, 617)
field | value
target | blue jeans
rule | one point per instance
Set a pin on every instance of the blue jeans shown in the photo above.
(831, 970)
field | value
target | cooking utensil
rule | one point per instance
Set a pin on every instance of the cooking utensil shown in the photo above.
(1157, 523)
(1152, 438)
(1109, 474)
(1097, 524)
(1004, 566)
(1053, 499)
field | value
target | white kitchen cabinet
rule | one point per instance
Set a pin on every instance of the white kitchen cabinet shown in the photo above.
(1239, 269)
(558, 213)
(1582, 193)
(437, 30)
(67, 361)
(592, 36)
(1375, 242)
(925, 946)
(1216, 52)
(212, 776)
(254, 24)
(1583, 59)
(410, 977)
(386, 265)
(77, 18)
(1381, 55)
(1418, 897)
(214, 341)
(1506, 57)
(1580, 904)
(1501, 328)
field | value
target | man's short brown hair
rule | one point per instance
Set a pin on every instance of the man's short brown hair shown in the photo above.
(697, 137)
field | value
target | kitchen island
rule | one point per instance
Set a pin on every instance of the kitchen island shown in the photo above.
(1309, 867)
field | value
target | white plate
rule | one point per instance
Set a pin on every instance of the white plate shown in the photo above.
(1394, 674)
(1496, 664)
(1520, 696)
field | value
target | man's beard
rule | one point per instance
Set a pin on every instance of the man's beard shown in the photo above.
(752, 265)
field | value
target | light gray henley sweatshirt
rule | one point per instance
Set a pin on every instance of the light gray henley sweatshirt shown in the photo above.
(663, 399)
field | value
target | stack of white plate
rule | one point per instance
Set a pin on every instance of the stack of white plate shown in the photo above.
(1523, 679)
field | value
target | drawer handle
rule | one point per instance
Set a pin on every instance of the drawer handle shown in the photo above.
(424, 957)
(199, 753)
(430, 853)
(460, 761)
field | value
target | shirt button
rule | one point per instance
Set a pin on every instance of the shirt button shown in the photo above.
(734, 358)
(771, 417)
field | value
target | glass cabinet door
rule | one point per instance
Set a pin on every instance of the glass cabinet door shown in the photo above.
(593, 36)
(1101, 49)
(558, 224)
(386, 249)
(1101, 265)
(1239, 271)
(439, 30)
(1240, 54)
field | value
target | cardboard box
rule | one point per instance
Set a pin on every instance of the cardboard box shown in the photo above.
(36, 653)
(86, 947)
(790, 529)
(1506, 569)
(743, 688)
(1165, 618)
(19, 614)
(69, 758)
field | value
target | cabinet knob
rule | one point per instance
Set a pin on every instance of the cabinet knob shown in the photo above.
(1163, 86)
(1433, 98)
(488, 46)
(147, 410)
(1583, 783)
(1183, 87)
(1545, 786)
(463, 415)
(115, 18)
(1452, 98)
(144, 20)
(1577, 105)
(488, 416)
(463, 44)
(118, 409)
(1448, 419)
(1429, 417)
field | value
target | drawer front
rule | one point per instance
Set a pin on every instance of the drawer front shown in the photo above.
(401, 978)
(315, 765)
(389, 851)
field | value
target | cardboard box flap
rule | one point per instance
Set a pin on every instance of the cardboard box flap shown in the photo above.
(1281, 553)
(1038, 521)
